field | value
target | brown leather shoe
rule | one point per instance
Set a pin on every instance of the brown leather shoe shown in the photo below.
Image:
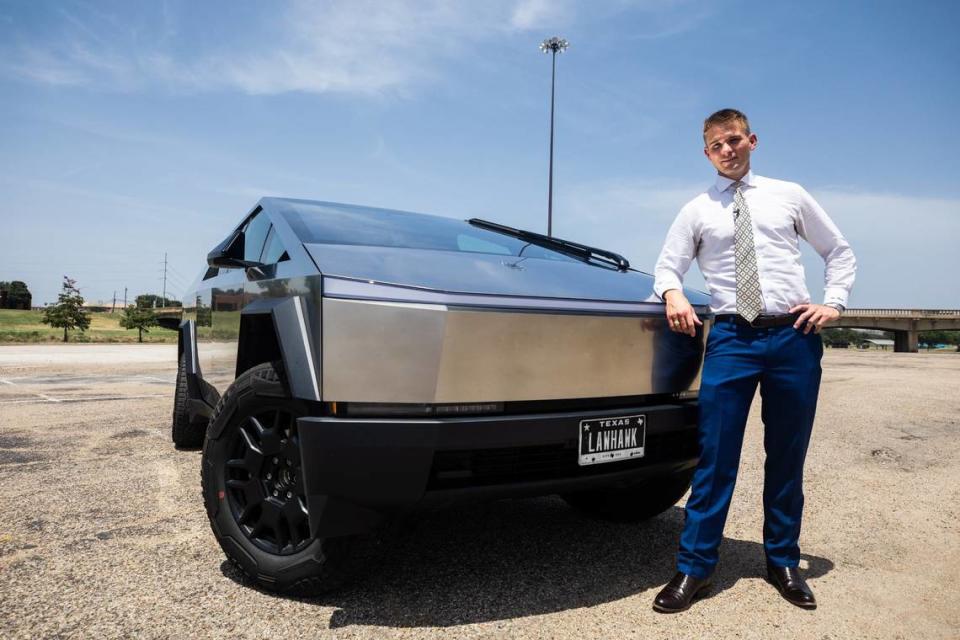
(680, 593)
(791, 586)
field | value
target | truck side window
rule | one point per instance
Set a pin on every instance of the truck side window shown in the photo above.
(254, 235)
(273, 251)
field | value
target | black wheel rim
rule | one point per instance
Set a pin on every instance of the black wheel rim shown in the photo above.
(264, 484)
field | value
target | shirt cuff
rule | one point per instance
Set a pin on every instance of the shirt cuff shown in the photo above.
(836, 295)
(660, 287)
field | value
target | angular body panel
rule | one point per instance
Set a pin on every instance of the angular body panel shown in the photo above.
(486, 274)
(378, 351)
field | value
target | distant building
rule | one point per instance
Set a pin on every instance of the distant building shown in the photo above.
(98, 305)
(880, 343)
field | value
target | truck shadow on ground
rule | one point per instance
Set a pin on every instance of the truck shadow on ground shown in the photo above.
(517, 558)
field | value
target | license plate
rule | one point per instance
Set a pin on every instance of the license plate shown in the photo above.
(612, 439)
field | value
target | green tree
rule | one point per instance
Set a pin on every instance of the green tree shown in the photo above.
(138, 318)
(15, 295)
(931, 338)
(834, 336)
(68, 313)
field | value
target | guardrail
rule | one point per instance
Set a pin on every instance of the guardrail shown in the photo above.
(904, 313)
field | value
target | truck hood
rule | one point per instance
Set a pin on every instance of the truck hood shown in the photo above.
(487, 274)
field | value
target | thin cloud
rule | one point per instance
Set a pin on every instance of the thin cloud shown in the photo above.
(362, 46)
(44, 67)
(358, 47)
(530, 14)
(902, 243)
(127, 206)
(631, 216)
(372, 47)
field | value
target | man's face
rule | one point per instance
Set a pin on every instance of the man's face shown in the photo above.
(728, 148)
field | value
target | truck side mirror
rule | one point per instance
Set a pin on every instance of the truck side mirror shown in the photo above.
(229, 254)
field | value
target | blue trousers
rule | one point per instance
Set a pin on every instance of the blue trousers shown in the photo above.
(786, 364)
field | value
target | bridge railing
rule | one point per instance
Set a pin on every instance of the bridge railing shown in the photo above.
(903, 313)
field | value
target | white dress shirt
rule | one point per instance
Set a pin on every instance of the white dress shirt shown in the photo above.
(781, 213)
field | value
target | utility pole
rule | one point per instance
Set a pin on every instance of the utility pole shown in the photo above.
(163, 298)
(124, 297)
(553, 45)
(113, 307)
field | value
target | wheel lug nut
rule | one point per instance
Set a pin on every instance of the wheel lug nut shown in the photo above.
(276, 460)
(289, 494)
(276, 493)
(269, 476)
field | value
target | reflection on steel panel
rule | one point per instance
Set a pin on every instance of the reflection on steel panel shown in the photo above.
(381, 351)
(399, 352)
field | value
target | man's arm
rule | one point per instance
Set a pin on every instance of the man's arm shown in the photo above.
(840, 265)
(679, 250)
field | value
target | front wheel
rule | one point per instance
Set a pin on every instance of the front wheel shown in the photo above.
(253, 488)
(635, 503)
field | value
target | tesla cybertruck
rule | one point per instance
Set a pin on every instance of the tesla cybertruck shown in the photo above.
(341, 365)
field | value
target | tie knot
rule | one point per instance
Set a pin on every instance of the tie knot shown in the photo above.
(736, 185)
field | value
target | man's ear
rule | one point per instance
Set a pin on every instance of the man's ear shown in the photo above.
(753, 141)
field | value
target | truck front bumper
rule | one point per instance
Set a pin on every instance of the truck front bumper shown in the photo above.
(359, 471)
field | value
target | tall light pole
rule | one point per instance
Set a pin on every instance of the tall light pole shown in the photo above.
(554, 46)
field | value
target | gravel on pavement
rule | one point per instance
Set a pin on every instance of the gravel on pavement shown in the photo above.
(103, 532)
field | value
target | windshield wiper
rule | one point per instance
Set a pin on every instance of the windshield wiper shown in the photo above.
(574, 249)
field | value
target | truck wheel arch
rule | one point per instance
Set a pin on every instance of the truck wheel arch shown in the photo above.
(279, 329)
(201, 396)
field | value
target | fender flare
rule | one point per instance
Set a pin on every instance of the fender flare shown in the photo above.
(202, 397)
(291, 322)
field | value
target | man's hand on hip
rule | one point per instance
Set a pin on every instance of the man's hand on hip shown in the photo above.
(815, 316)
(680, 315)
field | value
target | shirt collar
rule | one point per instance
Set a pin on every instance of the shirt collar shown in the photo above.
(724, 183)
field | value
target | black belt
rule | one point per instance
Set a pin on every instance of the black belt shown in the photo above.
(761, 321)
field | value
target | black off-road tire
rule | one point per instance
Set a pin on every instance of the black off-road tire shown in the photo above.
(185, 434)
(635, 503)
(283, 559)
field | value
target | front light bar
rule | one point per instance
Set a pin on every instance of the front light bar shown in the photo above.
(391, 410)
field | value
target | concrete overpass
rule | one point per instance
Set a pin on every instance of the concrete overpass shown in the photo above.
(905, 323)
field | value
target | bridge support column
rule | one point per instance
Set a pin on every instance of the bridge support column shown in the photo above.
(905, 341)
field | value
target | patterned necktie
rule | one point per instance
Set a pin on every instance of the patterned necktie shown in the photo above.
(749, 301)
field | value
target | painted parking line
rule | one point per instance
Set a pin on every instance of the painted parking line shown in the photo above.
(97, 398)
(90, 379)
(45, 398)
(158, 379)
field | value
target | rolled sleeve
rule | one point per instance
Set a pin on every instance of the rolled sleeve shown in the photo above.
(840, 265)
(679, 250)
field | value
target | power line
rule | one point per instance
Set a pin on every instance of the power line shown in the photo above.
(174, 270)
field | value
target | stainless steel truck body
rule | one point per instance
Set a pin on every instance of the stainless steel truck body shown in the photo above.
(343, 364)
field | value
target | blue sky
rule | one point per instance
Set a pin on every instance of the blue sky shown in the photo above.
(130, 129)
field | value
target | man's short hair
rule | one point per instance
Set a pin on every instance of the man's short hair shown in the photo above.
(723, 117)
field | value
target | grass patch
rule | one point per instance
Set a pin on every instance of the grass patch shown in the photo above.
(20, 327)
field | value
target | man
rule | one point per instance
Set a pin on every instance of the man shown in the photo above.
(744, 232)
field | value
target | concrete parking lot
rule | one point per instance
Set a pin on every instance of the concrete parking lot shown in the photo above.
(103, 533)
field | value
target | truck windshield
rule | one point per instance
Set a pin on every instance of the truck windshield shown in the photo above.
(320, 223)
